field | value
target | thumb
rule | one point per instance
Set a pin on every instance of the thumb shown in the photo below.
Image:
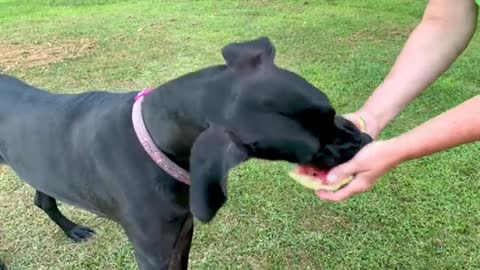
(342, 171)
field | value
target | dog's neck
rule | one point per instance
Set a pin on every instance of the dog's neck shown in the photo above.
(176, 112)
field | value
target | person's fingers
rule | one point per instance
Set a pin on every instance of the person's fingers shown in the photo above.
(357, 185)
(342, 171)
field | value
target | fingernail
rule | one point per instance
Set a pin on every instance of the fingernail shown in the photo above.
(331, 178)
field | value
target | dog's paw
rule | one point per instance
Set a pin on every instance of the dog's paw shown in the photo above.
(80, 233)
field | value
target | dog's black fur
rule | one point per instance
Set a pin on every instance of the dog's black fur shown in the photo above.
(82, 149)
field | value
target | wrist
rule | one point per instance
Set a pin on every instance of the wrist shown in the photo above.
(381, 107)
(397, 150)
(373, 127)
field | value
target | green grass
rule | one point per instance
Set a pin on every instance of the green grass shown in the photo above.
(423, 215)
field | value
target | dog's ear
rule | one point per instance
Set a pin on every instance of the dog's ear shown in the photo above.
(249, 54)
(213, 154)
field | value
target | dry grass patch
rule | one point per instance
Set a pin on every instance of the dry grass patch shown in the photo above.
(17, 56)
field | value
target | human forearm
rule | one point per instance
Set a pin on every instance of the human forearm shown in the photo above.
(455, 127)
(458, 126)
(442, 35)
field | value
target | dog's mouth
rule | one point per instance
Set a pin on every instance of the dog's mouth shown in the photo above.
(313, 172)
(314, 175)
(316, 179)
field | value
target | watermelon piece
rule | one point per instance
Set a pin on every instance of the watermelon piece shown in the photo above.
(316, 179)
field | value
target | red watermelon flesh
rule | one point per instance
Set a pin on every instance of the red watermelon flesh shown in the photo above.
(317, 174)
(313, 178)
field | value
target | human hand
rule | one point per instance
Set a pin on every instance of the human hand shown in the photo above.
(373, 161)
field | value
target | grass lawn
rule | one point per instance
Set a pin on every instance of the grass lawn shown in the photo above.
(423, 215)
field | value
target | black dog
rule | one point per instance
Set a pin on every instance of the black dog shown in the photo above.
(82, 148)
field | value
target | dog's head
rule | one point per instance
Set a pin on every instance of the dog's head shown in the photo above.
(267, 113)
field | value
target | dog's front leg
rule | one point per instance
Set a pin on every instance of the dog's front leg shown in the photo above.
(160, 244)
(179, 258)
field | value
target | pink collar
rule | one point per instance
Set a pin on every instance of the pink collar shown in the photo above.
(146, 141)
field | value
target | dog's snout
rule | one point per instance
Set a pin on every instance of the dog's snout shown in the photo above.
(343, 123)
(346, 140)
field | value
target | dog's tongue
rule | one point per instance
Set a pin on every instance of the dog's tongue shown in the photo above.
(317, 174)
